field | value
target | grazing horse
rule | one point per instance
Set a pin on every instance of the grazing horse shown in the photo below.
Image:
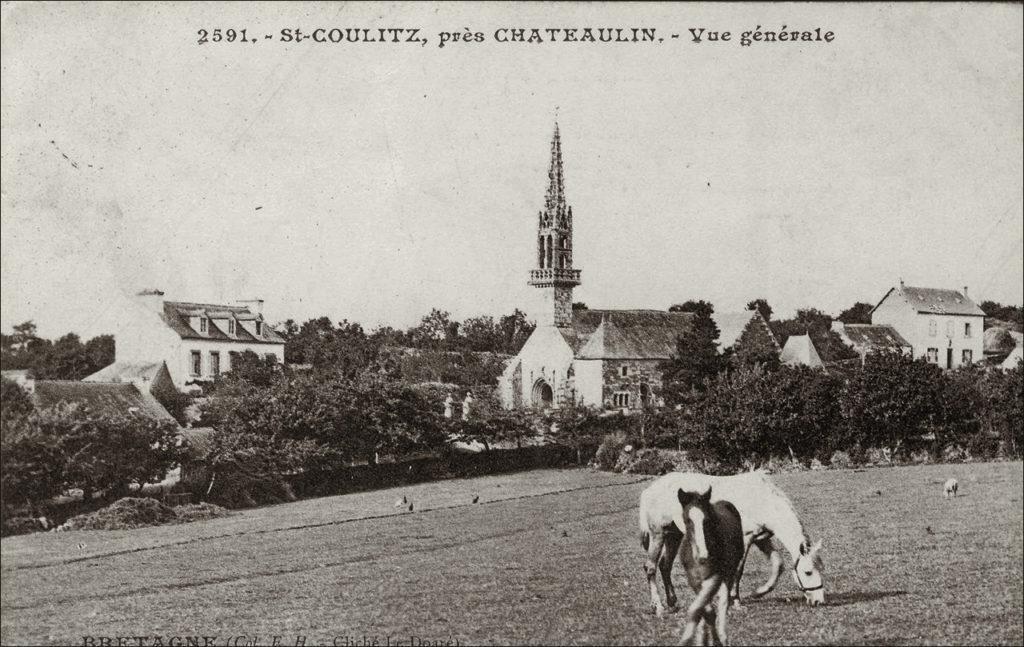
(950, 488)
(766, 512)
(711, 550)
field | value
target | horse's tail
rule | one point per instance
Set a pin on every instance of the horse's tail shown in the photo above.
(645, 539)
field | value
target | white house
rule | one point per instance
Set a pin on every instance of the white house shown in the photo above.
(195, 341)
(944, 326)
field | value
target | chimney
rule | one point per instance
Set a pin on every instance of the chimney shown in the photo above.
(901, 281)
(965, 292)
(256, 305)
(153, 300)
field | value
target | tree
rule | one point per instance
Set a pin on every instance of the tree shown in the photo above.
(858, 313)
(701, 308)
(891, 399)
(579, 305)
(515, 330)
(1010, 313)
(14, 400)
(69, 446)
(696, 357)
(481, 334)
(761, 305)
(817, 325)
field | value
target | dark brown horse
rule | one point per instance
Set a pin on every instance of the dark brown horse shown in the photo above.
(711, 550)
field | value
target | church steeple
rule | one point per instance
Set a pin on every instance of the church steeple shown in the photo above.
(554, 272)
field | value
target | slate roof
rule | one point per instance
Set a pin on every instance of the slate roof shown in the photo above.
(936, 301)
(625, 334)
(177, 313)
(875, 336)
(799, 349)
(126, 372)
(99, 397)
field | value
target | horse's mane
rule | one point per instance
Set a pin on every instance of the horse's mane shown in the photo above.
(781, 497)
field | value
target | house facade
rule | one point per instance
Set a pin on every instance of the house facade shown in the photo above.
(193, 342)
(943, 326)
(604, 358)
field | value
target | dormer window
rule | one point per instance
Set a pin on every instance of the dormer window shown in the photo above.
(203, 325)
(259, 328)
(231, 326)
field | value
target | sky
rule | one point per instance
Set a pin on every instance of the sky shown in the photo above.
(373, 182)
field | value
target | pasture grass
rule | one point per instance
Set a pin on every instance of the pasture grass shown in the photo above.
(904, 566)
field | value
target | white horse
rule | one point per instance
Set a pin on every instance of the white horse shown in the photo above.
(766, 512)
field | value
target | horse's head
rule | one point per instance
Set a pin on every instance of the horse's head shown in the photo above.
(696, 512)
(807, 571)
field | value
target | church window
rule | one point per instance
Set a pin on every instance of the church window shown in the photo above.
(565, 242)
(565, 261)
(620, 399)
(551, 250)
(540, 252)
(625, 371)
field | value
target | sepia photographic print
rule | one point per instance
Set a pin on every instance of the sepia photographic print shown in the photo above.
(374, 324)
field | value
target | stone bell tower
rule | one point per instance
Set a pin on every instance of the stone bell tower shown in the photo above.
(554, 274)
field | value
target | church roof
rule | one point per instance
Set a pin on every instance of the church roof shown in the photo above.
(625, 334)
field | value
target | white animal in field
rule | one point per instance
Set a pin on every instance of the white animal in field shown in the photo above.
(765, 511)
(950, 488)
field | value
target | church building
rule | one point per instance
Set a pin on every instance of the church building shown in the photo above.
(604, 358)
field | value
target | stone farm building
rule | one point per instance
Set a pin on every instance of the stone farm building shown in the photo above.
(604, 358)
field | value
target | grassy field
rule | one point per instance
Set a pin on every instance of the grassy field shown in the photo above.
(547, 557)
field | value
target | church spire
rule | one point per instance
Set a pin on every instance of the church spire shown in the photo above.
(554, 273)
(554, 202)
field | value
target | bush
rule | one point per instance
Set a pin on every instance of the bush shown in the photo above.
(20, 525)
(955, 454)
(840, 460)
(611, 447)
(199, 511)
(921, 456)
(647, 461)
(780, 465)
(124, 514)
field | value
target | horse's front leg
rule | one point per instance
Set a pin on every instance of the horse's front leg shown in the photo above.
(695, 612)
(654, 550)
(723, 609)
(766, 547)
(668, 559)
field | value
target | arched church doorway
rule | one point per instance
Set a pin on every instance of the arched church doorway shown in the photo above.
(543, 396)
